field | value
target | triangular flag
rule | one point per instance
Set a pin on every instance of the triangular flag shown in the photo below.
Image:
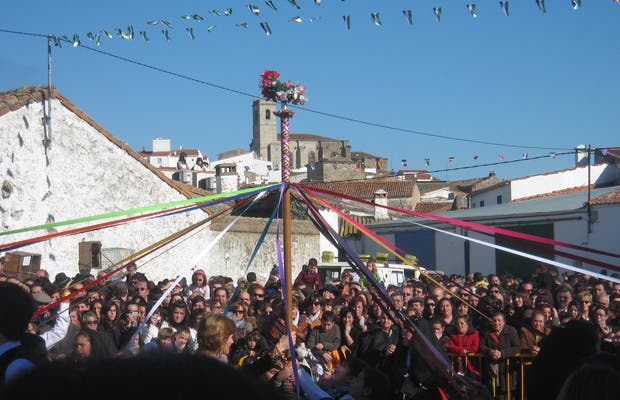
(541, 5)
(404, 163)
(451, 159)
(228, 12)
(501, 156)
(190, 31)
(347, 21)
(525, 156)
(375, 19)
(253, 9)
(98, 39)
(472, 10)
(409, 15)
(437, 11)
(271, 5)
(427, 161)
(76, 40)
(576, 4)
(476, 157)
(505, 7)
(317, 2)
(266, 28)
(552, 154)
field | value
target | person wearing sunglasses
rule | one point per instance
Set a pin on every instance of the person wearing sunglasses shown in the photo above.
(238, 313)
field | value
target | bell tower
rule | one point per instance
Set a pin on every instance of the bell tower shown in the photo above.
(265, 128)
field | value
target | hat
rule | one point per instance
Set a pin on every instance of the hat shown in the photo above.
(61, 279)
(42, 298)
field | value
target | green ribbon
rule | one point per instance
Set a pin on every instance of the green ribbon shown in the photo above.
(137, 210)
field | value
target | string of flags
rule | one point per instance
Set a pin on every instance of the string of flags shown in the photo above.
(500, 156)
(167, 26)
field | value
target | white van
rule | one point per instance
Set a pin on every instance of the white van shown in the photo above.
(391, 274)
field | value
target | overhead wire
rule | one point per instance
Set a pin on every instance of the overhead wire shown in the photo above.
(323, 113)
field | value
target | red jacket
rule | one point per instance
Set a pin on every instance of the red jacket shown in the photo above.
(467, 343)
(311, 280)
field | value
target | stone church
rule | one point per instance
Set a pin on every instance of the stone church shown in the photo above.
(325, 159)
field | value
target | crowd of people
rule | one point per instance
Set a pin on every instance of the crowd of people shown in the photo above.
(347, 342)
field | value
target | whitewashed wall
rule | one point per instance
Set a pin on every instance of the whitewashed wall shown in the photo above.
(547, 183)
(89, 175)
(490, 196)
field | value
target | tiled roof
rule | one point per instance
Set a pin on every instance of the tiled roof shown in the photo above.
(309, 136)
(366, 188)
(609, 198)
(575, 189)
(433, 207)
(15, 99)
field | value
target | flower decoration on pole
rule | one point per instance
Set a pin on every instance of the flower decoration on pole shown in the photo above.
(283, 92)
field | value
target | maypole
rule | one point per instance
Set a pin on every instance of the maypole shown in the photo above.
(284, 93)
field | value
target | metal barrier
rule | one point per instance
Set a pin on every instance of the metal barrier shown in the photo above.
(473, 364)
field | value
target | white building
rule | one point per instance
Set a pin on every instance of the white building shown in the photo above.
(82, 171)
(564, 217)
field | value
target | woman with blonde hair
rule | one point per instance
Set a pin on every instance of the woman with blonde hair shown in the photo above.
(215, 336)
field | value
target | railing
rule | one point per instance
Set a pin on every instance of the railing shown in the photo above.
(474, 365)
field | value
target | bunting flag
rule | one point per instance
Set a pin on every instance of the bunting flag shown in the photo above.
(404, 163)
(197, 17)
(153, 22)
(409, 15)
(271, 5)
(541, 5)
(450, 159)
(427, 161)
(168, 24)
(294, 3)
(228, 12)
(476, 157)
(347, 21)
(501, 156)
(186, 17)
(266, 28)
(552, 154)
(505, 7)
(576, 4)
(375, 19)
(472, 10)
(525, 156)
(243, 24)
(217, 13)
(212, 27)
(76, 41)
(253, 9)
(437, 11)
(297, 19)
(190, 32)
(166, 34)
(317, 2)
(144, 36)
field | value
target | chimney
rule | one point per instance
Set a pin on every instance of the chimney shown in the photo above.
(581, 156)
(380, 199)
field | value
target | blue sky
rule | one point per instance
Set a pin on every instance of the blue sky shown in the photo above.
(533, 79)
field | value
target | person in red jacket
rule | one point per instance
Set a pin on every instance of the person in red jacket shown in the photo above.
(465, 340)
(310, 276)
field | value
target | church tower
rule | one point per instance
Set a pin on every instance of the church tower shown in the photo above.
(265, 129)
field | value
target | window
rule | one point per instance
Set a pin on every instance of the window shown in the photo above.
(481, 203)
(267, 114)
(499, 199)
